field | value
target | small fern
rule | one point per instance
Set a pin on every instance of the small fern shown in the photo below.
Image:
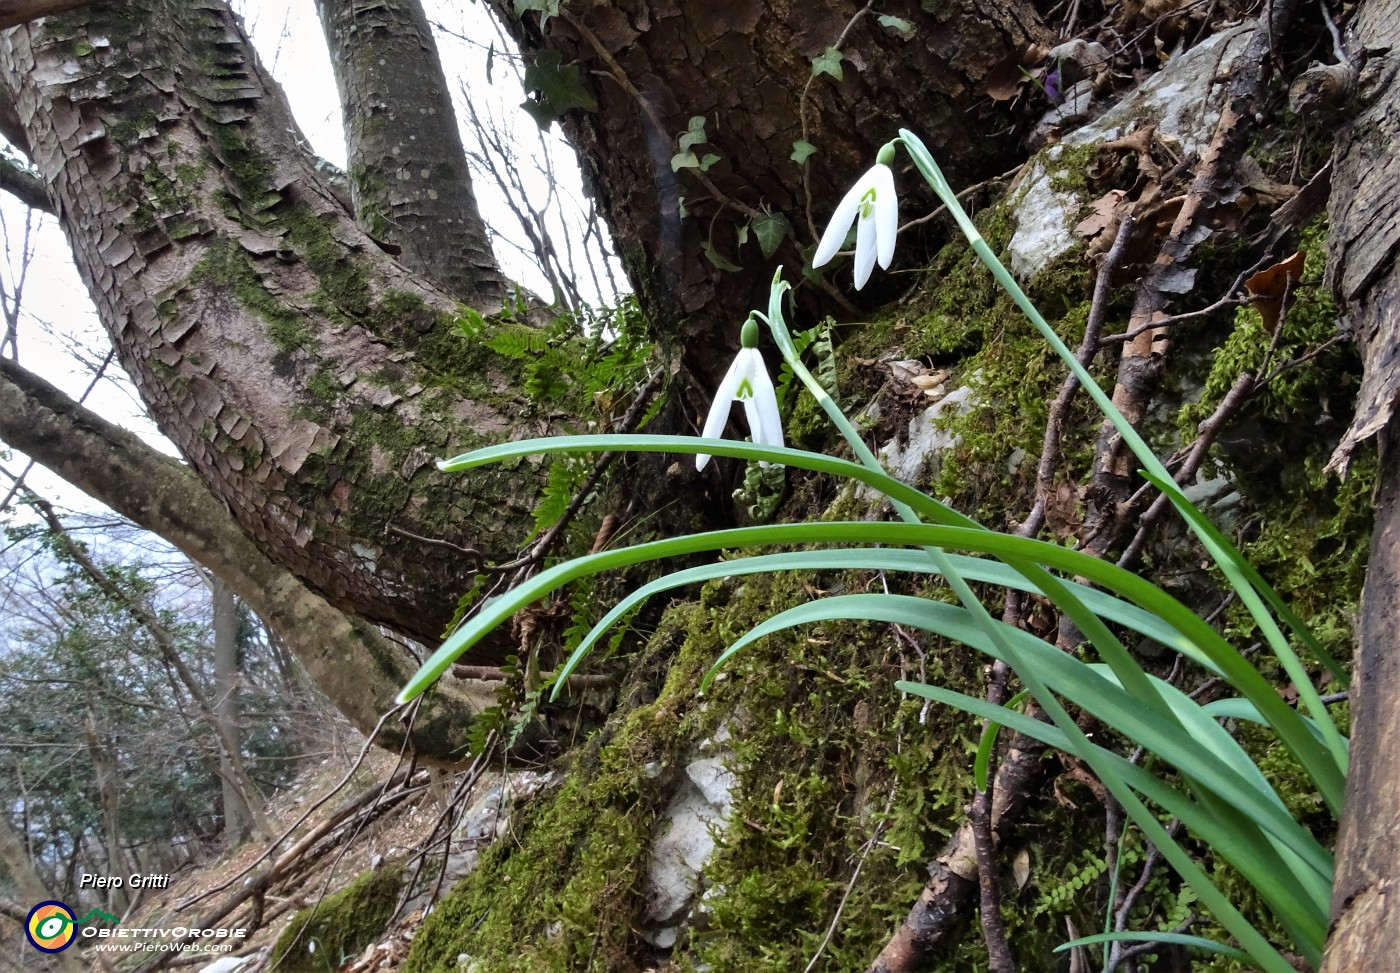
(817, 338)
(519, 342)
(1061, 896)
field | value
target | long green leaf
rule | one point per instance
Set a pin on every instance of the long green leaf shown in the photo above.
(1238, 572)
(1243, 850)
(1248, 584)
(640, 443)
(1204, 753)
(982, 570)
(1169, 938)
(1023, 553)
(982, 763)
(1242, 709)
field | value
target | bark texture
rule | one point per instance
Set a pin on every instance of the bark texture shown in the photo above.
(743, 66)
(307, 377)
(408, 173)
(1365, 934)
(1365, 223)
(16, 12)
(348, 659)
(1364, 211)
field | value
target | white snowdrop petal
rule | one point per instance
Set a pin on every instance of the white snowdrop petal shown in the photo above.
(840, 224)
(886, 214)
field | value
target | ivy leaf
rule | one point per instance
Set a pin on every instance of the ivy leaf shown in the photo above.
(707, 160)
(558, 87)
(828, 62)
(770, 229)
(801, 149)
(899, 25)
(542, 114)
(684, 160)
(694, 135)
(719, 259)
(743, 235)
(546, 9)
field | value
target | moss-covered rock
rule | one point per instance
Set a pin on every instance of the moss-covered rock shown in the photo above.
(337, 929)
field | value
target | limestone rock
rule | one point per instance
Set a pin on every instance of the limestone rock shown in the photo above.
(1183, 100)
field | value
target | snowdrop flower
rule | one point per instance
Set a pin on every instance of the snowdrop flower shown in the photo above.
(747, 380)
(871, 202)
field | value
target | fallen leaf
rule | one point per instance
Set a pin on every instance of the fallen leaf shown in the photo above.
(1021, 867)
(1005, 80)
(1271, 288)
(1107, 211)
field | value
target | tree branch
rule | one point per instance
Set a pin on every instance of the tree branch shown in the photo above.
(348, 659)
(25, 186)
(16, 12)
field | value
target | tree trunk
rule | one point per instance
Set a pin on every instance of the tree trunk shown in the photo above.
(1365, 232)
(408, 172)
(746, 68)
(239, 810)
(16, 12)
(307, 377)
(348, 659)
(28, 884)
(104, 774)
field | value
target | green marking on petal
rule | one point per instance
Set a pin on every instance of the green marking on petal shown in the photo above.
(867, 203)
(745, 390)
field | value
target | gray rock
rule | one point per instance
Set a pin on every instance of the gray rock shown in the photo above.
(925, 440)
(1183, 100)
(684, 839)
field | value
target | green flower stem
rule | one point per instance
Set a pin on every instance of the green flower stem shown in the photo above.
(1153, 467)
(1255, 944)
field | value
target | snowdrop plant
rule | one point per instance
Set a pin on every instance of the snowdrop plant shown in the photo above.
(1216, 790)
(874, 208)
(747, 382)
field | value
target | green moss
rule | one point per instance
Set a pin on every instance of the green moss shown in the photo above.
(825, 752)
(565, 894)
(344, 292)
(322, 385)
(229, 266)
(248, 169)
(1069, 169)
(341, 926)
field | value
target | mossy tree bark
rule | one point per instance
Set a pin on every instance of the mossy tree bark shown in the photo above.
(1365, 215)
(307, 377)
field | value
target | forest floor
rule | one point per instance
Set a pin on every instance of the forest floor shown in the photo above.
(320, 848)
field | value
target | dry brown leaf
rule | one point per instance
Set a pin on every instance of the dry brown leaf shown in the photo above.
(1272, 287)
(1005, 80)
(1108, 209)
(1021, 867)
(1063, 510)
